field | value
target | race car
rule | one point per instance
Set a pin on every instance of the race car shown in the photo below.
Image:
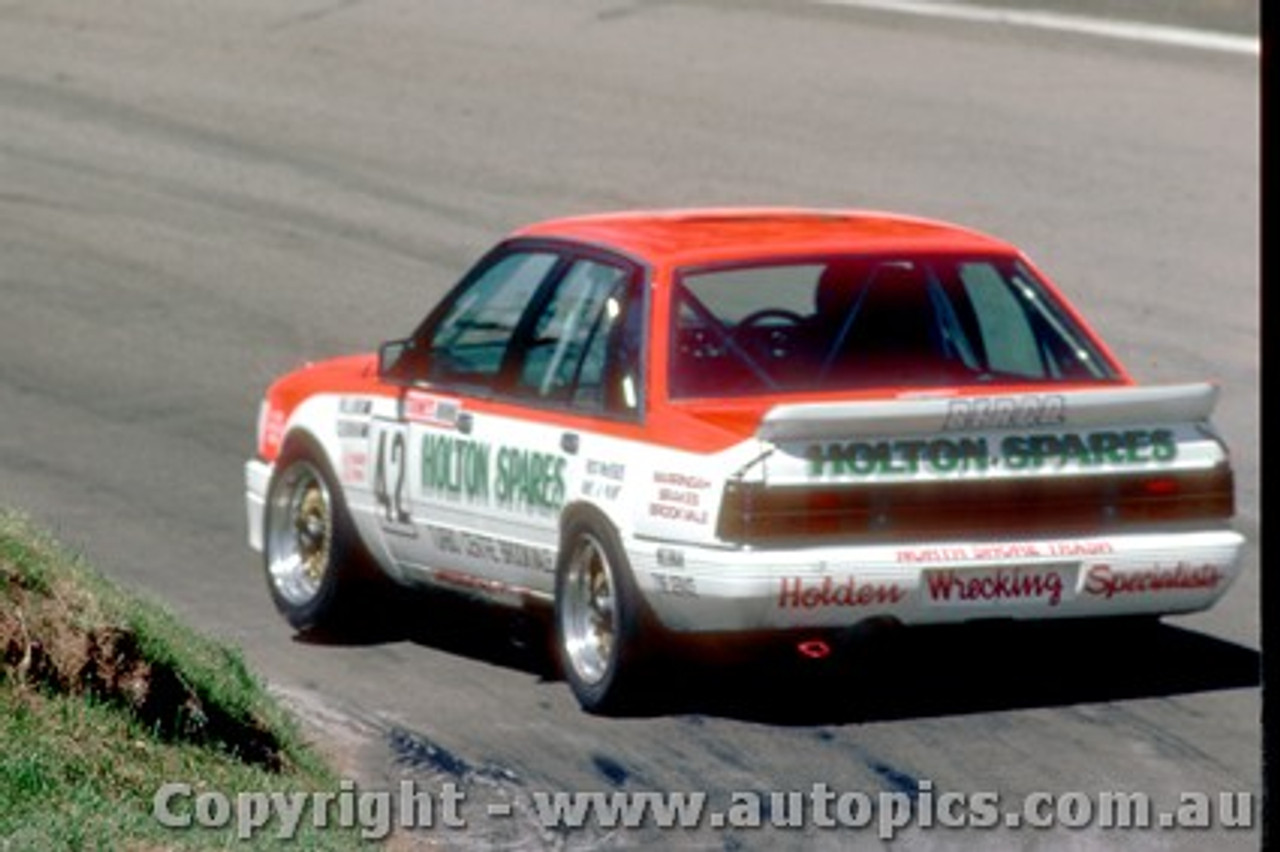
(728, 422)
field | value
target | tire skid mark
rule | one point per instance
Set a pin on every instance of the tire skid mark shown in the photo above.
(133, 122)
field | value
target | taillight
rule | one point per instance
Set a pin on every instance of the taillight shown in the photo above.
(755, 513)
(1190, 495)
(1161, 487)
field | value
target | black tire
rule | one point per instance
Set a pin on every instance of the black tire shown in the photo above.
(600, 625)
(317, 570)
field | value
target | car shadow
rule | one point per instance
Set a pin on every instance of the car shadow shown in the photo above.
(447, 622)
(883, 676)
(965, 669)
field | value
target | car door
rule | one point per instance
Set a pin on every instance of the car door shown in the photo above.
(431, 474)
(542, 342)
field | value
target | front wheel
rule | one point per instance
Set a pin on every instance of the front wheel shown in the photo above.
(598, 618)
(311, 553)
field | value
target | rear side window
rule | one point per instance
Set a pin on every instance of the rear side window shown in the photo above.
(1004, 329)
(583, 349)
(1014, 330)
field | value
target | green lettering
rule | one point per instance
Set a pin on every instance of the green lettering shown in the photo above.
(1075, 449)
(1043, 446)
(943, 456)
(884, 460)
(1015, 452)
(1106, 448)
(911, 451)
(558, 489)
(455, 466)
(817, 457)
(531, 480)
(845, 458)
(975, 453)
(1164, 447)
(477, 471)
(1136, 444)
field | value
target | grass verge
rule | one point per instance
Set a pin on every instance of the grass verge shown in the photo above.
(105, 697)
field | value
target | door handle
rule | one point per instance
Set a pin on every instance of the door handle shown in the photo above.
(465, 422)
(569, 442)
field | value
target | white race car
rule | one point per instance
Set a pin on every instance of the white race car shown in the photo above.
(733, 421)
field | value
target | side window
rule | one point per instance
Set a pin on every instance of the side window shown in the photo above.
(469, 343)
(583, 350)
(1008, 338)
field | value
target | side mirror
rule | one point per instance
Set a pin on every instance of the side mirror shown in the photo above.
(391, 360)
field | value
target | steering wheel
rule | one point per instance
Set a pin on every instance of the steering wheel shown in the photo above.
(755, 318)
(769, 333)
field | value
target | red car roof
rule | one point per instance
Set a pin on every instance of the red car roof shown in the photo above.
(681, 237)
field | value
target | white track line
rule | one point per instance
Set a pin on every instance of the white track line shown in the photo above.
(1126, 30)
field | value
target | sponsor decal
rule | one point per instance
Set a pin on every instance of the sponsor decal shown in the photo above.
(353, 429)
(670, 557)
(355, 466)
(870, 458)
(1104, 581)
(1011, 583)
(471, 582)
(529, 479)
(675, 585)
(603, 479)
(1010, 550)
(1006, 412)
(685, 514)
(802, 593)
(1132, 446)
(514, 478)
(499, 551)
(677, 497)
(681, 480)
(355, 405)
(455, 466)
(615, 471)
(424, 408)
(273, 427)
(1015, 452)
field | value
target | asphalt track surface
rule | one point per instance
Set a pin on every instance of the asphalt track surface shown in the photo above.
(195, 197)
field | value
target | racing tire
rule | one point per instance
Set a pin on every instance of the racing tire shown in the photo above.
(316, 568)
(599, 619)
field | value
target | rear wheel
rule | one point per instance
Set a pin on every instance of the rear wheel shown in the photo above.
(598, 618)
(312, 556)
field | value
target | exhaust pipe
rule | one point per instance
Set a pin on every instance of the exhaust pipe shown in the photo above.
(814, 649)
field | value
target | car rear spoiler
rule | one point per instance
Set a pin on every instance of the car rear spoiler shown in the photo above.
(1110, 406)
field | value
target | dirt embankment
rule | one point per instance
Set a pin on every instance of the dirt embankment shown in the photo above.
(62, 630)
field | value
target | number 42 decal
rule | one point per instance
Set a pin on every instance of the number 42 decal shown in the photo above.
(390, 464)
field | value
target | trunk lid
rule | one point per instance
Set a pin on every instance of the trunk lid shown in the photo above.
(1081, 460)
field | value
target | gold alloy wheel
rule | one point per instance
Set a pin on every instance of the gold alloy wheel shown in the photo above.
(300, 533)
(589, 611)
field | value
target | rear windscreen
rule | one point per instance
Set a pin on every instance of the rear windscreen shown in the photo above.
(859, 322)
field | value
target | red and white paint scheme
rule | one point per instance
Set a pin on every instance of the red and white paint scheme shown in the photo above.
(722, 421)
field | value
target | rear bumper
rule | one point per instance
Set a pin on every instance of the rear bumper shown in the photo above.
(257, 476)
(697, 589)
